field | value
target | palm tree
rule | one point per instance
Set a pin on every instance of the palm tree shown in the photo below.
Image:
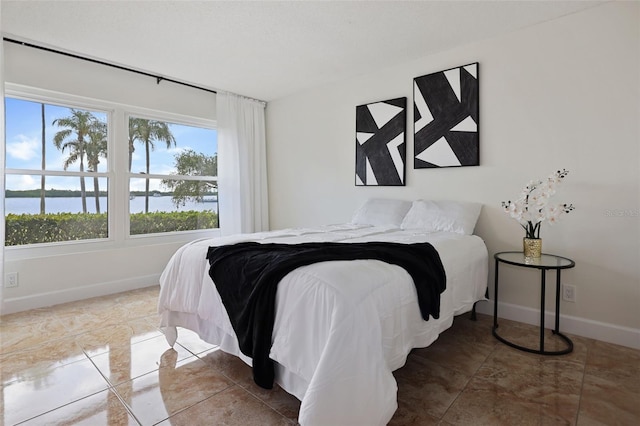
(76, 128)
(135, 130)
(147, 132)
(96, 148)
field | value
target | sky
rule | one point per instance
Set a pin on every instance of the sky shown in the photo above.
(24, 146)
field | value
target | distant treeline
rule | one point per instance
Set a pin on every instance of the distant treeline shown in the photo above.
(65, 193)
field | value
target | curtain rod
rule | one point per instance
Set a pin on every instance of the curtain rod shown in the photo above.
(96, 61)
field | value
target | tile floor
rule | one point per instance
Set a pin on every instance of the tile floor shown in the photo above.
(103, 362)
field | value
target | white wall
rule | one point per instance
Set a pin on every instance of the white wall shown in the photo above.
(77, 271)
(562, 94)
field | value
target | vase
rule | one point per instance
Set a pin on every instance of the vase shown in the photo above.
(532, 247)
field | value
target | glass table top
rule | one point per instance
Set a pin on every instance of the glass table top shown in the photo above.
(546, 261)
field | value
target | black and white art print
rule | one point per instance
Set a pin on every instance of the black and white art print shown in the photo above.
(446, 118)
(380, 143)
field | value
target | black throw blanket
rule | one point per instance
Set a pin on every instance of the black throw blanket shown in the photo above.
(247, 277)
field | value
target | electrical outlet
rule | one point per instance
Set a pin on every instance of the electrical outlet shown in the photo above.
(569, 292)
(11, 280)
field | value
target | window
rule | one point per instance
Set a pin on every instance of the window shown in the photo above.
(173, 184)
(56, 180)
(69, 179)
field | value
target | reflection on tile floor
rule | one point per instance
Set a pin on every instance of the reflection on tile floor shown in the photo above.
(104, 362)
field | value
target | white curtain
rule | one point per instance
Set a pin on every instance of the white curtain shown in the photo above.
(242, 165)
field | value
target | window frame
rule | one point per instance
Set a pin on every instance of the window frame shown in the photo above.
(117, 174)
(171, 119)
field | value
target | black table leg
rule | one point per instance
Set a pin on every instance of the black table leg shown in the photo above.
(542, 300)
(495, 298)
(557, 329)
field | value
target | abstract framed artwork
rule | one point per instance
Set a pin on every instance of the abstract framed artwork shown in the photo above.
(446, 123)
(381, 143)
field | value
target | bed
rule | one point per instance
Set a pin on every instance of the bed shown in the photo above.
(341, 327)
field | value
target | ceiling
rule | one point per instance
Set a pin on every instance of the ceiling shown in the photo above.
(267, 49)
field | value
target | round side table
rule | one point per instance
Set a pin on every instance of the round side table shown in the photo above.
(545, 263)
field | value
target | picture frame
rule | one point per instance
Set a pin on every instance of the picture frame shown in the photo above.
(381, 143)
(447, 118)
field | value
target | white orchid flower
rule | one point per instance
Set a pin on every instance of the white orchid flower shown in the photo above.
(531, 208)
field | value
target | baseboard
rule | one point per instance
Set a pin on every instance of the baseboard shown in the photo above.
(42, 300)
(597, 330)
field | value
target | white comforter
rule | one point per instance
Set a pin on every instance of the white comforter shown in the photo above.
(341, 327)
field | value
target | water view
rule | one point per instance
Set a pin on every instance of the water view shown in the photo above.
(74, 205)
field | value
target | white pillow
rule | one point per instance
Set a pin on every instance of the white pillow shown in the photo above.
(381, 212)
(449, 216)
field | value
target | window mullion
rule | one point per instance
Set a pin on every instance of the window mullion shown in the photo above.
(120, 197)
(171, 177)
(39, 172)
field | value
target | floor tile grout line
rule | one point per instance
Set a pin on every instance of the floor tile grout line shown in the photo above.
(193, 405)
(192, 352)
(218, 370)
(116, 347)
(263, 402)
(59, 407)
(235, 382)
(542, 404)
(130, 409)
(473, 376)
(113, 389)
(239, 384)
(114, 385)
(33, 348)
(584, 373)
(108, 387)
